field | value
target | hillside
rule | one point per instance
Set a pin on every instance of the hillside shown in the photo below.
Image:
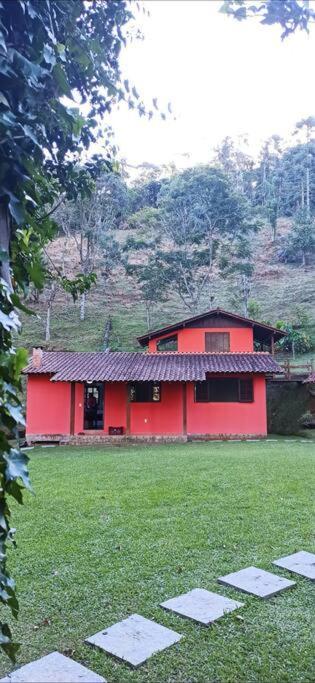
(277, 288)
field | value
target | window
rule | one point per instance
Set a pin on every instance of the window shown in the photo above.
(224, 390)
(217, 341)
(168, 343)
(145, 392)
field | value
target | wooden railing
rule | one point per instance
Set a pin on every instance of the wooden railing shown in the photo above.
(293, 370)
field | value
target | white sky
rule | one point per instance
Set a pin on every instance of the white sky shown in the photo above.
(222, 77)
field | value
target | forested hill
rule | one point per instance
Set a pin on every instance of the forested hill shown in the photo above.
(237, 233)
(279, 290)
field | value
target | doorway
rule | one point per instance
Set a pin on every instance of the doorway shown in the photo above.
(94, 405)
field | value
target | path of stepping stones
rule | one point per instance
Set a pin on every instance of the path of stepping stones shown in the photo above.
(136, 638)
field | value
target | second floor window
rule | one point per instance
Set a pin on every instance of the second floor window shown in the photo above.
(144, 392)
(167, 344)
(217, 341)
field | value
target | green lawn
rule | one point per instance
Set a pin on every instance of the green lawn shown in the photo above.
(116, 531)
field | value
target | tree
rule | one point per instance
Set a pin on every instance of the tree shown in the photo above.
(269, 181)
(237, 165)
(289, 14)
(300, 242)
(54, 55)
(200, 213)
(297, 340)
(90, 221)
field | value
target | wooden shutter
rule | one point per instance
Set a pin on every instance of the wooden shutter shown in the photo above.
(246, 394)
(217, 341)
(201, 392)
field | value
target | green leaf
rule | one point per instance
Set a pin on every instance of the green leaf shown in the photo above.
(61, 80)
(15, 413)
(16, 467)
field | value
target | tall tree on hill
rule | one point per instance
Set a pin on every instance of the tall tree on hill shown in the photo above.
(307, 128)
(269, 181)
(199, 211)
(49, 50)
(237, 165)
(91, 221)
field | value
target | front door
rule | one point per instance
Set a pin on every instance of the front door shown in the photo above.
(94, 405)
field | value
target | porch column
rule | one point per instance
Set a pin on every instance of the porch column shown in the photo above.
(127, 410)
(184, 408)
(72, 407)
(272, 344)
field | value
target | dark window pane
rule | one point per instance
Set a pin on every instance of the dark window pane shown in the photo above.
(168, 344)
(217, 341)
(223, 390)
(201, 392)
(144, 392)
(246, 390)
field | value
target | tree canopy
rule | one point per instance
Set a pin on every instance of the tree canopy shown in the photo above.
(55, 55)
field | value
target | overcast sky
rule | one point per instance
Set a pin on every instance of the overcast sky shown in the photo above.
(221, 76)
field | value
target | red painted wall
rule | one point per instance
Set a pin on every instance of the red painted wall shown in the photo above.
(165, 417)
(228, 418)
(48, 410)
(47, 406)
(115, 405)
(193, 339)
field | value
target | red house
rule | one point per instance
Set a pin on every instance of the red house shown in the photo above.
(199, 378)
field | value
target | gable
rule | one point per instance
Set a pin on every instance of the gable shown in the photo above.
(215, 320)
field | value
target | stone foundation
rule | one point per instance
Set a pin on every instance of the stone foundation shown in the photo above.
(98, 439)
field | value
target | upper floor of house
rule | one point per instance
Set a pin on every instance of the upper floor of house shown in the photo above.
(216, 331)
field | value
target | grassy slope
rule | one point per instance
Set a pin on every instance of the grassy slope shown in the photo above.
(116, 531)
(277, 288)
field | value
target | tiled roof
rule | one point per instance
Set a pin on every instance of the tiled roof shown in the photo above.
(123, 366)
(310, 379)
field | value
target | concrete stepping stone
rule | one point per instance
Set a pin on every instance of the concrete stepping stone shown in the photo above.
(256, 582)
(134, 640)
(302, 563)
(201, 605)
(53, 668)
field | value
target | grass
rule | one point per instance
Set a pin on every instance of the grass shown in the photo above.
(116, 531)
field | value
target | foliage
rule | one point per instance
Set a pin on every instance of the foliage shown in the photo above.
(296, 340)
(289, 14)
(204, 218)
(300, 242)
(287, 402)
(54, 56)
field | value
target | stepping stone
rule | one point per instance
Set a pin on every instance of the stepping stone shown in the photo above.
(302, 563)
(201, 605)
(54, 668)
(256, 582)
(134, 640)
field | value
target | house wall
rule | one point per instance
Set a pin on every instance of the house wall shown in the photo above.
(193, 339)
(48, 411)
(165, 417)
(47, 406)
(228, 418)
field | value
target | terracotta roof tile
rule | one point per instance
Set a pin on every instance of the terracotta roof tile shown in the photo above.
(171, 367)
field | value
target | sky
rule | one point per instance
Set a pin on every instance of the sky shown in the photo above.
(222, 77)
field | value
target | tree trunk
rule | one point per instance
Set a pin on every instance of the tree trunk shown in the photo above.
(308, 190)
(107, 331)
(5, 236)
(148, 314)
(47, 330)
(82, 306)
(48, 314)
